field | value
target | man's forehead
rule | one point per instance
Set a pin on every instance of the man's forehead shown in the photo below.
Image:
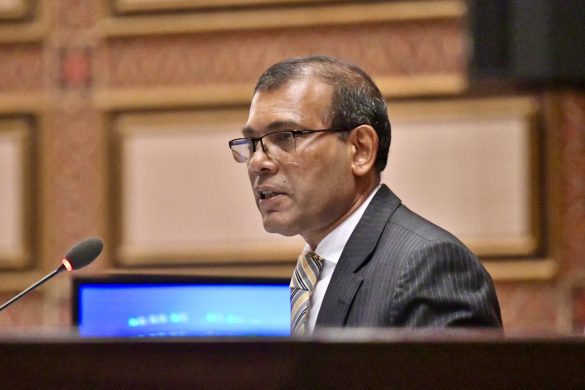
(276, 125)
(297, 104)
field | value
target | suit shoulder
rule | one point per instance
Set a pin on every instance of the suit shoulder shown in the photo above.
(419, 229)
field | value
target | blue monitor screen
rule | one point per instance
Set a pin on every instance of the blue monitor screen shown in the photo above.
(181, 309)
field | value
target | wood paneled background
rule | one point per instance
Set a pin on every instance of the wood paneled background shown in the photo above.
(115, 116)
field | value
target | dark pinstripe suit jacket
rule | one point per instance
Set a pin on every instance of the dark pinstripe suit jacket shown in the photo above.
(400, 270)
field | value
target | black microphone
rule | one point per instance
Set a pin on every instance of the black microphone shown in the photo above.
(80, 255)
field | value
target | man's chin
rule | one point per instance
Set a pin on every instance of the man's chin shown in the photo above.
(279, 227)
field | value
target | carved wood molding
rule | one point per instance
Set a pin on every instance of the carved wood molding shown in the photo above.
(241, 94)
(285, 17)
(23, 21)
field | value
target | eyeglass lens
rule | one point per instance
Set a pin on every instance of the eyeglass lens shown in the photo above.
(274, 144)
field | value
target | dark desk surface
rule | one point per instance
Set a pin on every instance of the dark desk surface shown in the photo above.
(341, 360)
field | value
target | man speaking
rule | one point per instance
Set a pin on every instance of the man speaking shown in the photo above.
(315, 144)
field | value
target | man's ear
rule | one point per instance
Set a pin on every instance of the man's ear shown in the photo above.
(364, 141)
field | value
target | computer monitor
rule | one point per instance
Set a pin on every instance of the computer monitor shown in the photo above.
(180, 306)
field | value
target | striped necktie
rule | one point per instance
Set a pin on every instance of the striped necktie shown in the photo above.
(302, 283)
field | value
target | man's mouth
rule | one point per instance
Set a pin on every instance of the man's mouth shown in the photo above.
(268, 194)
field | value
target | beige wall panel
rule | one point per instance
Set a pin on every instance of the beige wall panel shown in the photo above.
(185, 197)
(469, 170)
(465, 165)
(13, 158)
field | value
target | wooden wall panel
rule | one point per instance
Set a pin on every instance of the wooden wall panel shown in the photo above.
(75, 65)
(22, 67)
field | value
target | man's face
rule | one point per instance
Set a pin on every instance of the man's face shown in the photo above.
(310, 189)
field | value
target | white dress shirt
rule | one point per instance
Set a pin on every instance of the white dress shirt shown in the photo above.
(330, 249)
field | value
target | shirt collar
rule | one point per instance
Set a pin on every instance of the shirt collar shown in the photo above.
(331, 247)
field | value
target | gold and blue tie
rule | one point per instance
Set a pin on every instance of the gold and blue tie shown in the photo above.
(302, 283)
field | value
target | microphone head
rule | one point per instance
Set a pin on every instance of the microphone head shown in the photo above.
(83, 253)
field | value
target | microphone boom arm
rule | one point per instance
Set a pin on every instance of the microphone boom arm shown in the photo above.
(43, 280)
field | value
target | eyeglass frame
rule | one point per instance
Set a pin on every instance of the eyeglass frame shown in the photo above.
(295, 134)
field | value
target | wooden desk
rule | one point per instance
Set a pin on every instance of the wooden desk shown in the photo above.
(363, 360)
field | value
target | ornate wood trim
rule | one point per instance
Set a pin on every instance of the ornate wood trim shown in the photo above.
(130, 6)
(526, 270)
(27, 22)
(241, 94)
(267, 18)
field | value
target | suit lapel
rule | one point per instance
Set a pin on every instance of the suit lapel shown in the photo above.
(345, 282)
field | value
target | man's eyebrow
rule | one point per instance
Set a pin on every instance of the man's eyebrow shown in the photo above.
(249, 131)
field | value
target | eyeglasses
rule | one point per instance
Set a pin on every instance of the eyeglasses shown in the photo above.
(274, 144)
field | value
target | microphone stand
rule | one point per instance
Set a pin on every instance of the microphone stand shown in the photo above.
(43, 280)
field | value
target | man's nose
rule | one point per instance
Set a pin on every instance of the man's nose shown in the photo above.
(260, 162)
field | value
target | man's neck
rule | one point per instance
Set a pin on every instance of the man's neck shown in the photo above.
(314, 238)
